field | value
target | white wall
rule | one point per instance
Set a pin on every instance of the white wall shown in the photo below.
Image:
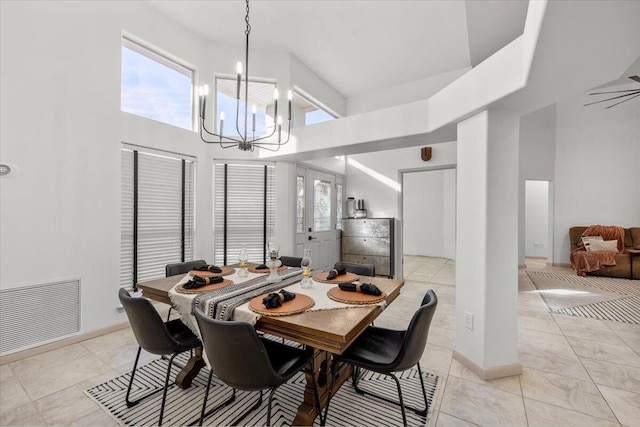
(379, 183)
(61, 125)
(428, 213)
(401, 94)
(536, 218)
(423, 213)
(597, 173)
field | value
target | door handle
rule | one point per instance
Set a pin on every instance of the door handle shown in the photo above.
(311, 238)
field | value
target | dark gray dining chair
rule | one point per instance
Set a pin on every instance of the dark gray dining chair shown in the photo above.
(243, 360)
(387, 351)
(181, 268)
(291, 261)
(359, 269)
(156, 337)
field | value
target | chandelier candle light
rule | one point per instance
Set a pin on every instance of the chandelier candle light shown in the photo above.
(244, 141)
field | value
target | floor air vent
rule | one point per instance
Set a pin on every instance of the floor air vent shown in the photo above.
(38, 314)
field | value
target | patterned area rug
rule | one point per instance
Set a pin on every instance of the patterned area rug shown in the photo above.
(601, 298)
(183, 406)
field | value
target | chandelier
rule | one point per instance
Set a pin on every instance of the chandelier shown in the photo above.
(246, 139)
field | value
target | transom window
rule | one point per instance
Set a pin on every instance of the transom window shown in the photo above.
(155, 87)
(311, 111)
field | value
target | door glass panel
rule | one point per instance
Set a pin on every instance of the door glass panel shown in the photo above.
(339, 206)
(321, 205)
(300, 204)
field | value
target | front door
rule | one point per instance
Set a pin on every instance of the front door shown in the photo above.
(316, 211)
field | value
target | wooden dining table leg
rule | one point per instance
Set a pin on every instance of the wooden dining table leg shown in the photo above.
(307, 412)
(191, 369)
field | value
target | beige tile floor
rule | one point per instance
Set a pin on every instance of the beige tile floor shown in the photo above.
(576, 372)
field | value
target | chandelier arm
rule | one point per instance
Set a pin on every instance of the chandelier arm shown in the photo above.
(263, 146)
(230, 140)
(279, 143)
(265, 136)
(238, 120)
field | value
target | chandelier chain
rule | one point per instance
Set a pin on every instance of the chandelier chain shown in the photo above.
(246, 19)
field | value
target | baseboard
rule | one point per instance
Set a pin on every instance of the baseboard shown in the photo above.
(560, 264)
(521, 266)
(62, 343)
(488, 373)
(536, 257)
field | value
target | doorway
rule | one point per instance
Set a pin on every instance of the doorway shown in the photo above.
(538, 235)
(427, 211)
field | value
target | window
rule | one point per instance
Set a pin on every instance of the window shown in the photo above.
(157, 213)
(244, 210)
(310, 110)
(300, 204)
(155, 87)
(260, 95)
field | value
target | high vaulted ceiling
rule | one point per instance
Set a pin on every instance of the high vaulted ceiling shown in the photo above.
(360, 46)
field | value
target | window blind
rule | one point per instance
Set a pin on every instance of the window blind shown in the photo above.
(246, 185)
(165, 214)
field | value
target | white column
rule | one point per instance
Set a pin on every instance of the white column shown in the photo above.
(487, 244)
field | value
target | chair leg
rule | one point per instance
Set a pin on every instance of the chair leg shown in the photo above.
(424, 394)
(421, 412)
(203, 415)
(273, 390)
(133, 373)
(166, 385)
(169, 313)
(404, 415)
(253, 408)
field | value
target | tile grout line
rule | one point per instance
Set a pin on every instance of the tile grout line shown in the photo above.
(588, 373)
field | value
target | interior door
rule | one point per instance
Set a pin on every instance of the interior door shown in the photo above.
(320, 212)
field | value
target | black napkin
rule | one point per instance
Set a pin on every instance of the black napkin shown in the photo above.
(335, 273)
(262, 267)
(370, 289)
(274, 300)
(365, 288)
(199, 282)
(210, 268)
(288, 296)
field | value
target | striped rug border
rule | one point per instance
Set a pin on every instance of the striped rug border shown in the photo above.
(624, 309)
(183, 406)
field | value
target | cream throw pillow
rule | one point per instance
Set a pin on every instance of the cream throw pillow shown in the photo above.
(604, 245)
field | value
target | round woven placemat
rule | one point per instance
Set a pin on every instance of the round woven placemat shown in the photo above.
(225, 272)
(266, 271)
(181, 290)
(339, 295)
(343, 278)
(297, 305)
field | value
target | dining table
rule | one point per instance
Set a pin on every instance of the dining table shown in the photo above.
(329, 327)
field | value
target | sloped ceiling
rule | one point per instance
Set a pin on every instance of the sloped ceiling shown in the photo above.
(362, 46)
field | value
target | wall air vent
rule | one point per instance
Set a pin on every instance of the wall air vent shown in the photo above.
(39, 314)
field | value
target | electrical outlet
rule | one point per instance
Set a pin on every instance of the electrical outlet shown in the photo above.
(468, 320)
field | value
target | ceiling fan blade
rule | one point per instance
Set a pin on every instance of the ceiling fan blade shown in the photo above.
(614, 91)
(637, 92)
(636, 78)
(625, 100)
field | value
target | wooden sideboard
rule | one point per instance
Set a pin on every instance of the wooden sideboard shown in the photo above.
(370, 241)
